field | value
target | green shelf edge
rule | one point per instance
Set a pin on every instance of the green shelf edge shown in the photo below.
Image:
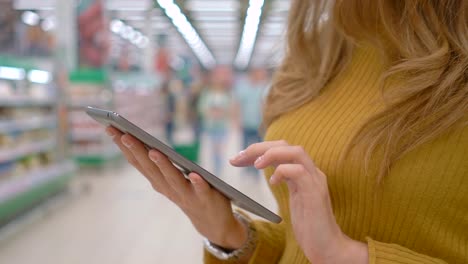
(94, 161)
(28, 199)
(89, 75)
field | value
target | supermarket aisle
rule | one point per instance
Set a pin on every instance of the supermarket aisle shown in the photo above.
(118, 220)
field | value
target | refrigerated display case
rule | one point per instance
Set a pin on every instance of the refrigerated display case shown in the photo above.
(31, 167)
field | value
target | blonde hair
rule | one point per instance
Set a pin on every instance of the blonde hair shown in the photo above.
(425, 43)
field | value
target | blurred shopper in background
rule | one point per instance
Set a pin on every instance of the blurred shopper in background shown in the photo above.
(249, 94)
(169, 113)
(215, 107)
(196, 90)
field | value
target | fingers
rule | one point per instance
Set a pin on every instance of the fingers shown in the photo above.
(116, 137)
(285, 154)
(152, 173)
(201, 187)
(112, 131)
(172, 175)
(296, 175)
(159, 170)
(248, 156)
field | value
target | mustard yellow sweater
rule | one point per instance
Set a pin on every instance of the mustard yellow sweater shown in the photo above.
(418, 215)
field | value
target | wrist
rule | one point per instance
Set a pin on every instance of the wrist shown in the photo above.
(357, 253)
(235, 235)
(240, 254)
(346, 250)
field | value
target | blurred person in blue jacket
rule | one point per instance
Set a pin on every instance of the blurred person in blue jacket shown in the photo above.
(215, 107)
(249, 95)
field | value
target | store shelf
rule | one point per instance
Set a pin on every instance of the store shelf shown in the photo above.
(23, 192)
(25, 102)
(83, 103)
(18, 185)
(29, 124)
(96, 158)
(21, 151)
(87, 135)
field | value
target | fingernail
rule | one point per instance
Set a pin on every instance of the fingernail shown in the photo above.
(258, 160)
(110, 133)
(239, 156)
(192, 181)
(126, 142)
(154, 158)
(272, 179)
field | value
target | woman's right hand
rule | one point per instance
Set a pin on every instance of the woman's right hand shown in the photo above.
(209, 211)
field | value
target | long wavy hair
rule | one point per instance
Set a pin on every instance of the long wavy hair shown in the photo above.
(425, 44)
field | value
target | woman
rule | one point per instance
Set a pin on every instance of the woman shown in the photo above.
(365, 145)
(215, 107)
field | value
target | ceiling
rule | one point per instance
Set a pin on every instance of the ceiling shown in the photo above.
(217, 32)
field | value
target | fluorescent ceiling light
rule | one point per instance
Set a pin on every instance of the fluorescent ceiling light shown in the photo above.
(11, 73)
(30, 18)
(143, 42)
(48, 24)
(116, 26)
(189, 33)
(37, 76)
(129, 33)
(137, 38)
(252, 21)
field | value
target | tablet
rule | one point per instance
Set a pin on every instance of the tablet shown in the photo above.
(108, 118)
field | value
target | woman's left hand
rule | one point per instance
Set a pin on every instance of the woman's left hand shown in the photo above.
(312, 218)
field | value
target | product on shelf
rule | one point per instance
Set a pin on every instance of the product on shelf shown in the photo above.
(29, 155)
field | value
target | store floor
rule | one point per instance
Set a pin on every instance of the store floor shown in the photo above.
(113, 216)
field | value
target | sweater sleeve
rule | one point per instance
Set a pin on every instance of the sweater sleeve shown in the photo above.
(383, 253)
(270, 245)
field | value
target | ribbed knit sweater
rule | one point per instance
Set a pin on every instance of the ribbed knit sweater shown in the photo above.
(418, 214)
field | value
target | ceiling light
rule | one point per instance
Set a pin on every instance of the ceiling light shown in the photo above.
(143, 43)
(48, 24)
(37, 76)
(11, 73)
(188, 32)
(252, 21)
(127, 32)
(30, 18)
(116, 26)
(137, 38)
